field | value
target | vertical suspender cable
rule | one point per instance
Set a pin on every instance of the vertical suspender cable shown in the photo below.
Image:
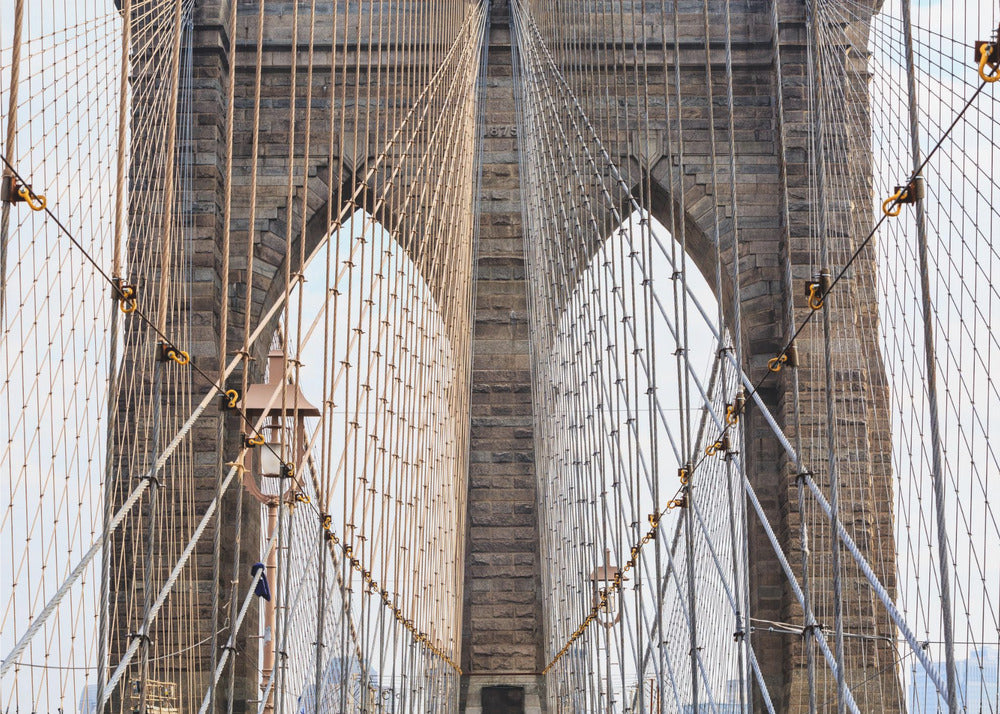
(248, 295)
(930, 371)
(161, 324)
(110, 471)
(737, 331)
(788, 287)
(220, 437)
(820, 167)
(170, 169)
(15, 79)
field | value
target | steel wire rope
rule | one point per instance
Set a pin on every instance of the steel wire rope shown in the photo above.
(134, 496)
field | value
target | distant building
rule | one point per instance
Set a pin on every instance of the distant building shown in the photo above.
(978, 684)
(342, 682)
(88, 699)
(729, 703)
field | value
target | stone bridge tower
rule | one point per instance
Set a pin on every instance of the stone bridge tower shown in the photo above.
(504, 607)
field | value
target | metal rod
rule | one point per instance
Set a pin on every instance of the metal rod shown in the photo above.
(930, 371)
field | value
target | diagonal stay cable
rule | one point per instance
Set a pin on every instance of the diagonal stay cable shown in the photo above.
(216, 385)
(420, 109)
(784, 353)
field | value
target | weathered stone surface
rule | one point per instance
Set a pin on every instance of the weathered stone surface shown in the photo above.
(504, 605)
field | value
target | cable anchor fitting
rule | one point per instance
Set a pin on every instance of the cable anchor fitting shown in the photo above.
(250, 442)
(13, 191)
(789, 356)
(817, 289)
(230, 399)
(721, 446)
(734, 410)
(168, 353)
(987, 54)
(125, 293)
(904, 195)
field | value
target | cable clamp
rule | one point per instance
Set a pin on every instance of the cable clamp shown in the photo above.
(288, 471)
(910, 193)
(811, 629)
(677, 503)
(987, 54)
(814, 295)
(739, 635)
(13, 191)
(250, 442)
(230, 399)
(125, 294)
(721, 446)
(152, 477)
(792, 355)
(141, 636)
(817, 290)
(167, 352)
(734, 410)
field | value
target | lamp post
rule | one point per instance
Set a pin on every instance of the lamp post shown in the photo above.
(280, 457)
(603, 578)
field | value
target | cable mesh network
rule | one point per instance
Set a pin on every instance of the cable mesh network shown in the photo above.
(760, 277)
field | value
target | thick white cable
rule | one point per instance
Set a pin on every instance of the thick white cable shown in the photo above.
(133, 498)
(845, 537)
(235, 627)
(168, 586)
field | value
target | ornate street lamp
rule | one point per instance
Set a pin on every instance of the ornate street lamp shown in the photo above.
(280, 457)
(605, 579)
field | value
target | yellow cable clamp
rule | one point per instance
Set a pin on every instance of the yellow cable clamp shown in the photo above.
(893, 205)
(815, 296)
(125, 293)
(776, 363)
(234, 397)
(985, 50)
(251, 441)
(35, 201)
(179, 356)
